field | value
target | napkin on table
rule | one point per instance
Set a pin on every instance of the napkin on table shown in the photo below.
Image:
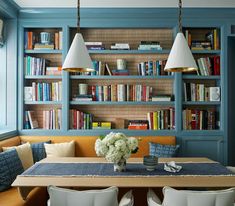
(172, 167)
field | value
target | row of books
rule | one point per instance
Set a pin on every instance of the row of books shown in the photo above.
(32, 41)
(39, 66)
(51, 119)
(209, 66)
(195, 119)
(199, 92)
(121, 92)
(80, 120)
(210, 42)
(152, 68)
(43, 91)
(161, 119)
(149, 45)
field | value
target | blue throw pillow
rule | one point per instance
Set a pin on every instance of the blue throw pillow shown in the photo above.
(10, 167)
(161, 150)
(38, 150)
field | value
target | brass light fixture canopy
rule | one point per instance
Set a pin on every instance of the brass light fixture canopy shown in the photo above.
(78, 58)
(180, 58)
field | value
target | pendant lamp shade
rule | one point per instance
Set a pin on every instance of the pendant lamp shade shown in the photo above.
(180, 58)
(78, 59)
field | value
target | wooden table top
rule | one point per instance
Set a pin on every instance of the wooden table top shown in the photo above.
(126, 181)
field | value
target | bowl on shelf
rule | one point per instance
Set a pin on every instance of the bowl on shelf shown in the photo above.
(150, 162)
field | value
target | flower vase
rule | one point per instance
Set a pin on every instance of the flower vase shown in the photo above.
(120, 166)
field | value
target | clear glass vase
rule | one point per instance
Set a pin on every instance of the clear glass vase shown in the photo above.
(120, 166)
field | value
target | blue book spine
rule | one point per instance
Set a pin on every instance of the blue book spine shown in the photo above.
(150, 68)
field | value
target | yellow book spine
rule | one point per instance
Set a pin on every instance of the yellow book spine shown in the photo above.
(155, 121)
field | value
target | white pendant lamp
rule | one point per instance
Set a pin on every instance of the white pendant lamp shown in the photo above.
(180, 58)
(78, 59)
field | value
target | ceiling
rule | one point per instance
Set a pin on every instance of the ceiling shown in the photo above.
(124, 3)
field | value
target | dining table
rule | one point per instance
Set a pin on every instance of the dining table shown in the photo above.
(97, 172)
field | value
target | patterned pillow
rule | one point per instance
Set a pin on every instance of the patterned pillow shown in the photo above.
(160, 150)
(39, 151)
(10, 167)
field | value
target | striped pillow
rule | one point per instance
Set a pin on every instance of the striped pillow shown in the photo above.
(161, 150)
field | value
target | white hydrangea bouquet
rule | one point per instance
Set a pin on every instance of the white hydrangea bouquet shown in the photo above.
(116, 148)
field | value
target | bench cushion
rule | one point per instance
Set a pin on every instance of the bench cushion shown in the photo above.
(84, 145)
(11, 197)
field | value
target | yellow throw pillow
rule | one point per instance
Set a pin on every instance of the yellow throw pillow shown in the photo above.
(25, 154)
(65, 149)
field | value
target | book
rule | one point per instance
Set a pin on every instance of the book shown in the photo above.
(28, 94)
(214, 93)
(44, 46)
(161, 98)
(108, 70)
(32, 119)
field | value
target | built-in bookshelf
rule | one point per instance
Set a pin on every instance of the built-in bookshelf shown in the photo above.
(42, 76)
(146, 44)
(201, 91)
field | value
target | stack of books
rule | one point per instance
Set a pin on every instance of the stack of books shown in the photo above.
(138, 124)
(94, 45)
(120, 46)
(39, 46)
(149, 45)
(101, 125)
(54, 70)
(123, 72)
(83, 97)
(160, 98)
(201, 45)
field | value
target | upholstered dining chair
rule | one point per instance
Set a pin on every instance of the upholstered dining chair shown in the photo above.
(232, 169)
(102, 197)
(173, 197)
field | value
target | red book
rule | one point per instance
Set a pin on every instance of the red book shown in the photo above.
(216, 65)
(30, 40)
(193, 121)
(74, 119)
(138, 127)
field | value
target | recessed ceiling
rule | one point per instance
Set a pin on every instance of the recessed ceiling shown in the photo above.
(124, 3)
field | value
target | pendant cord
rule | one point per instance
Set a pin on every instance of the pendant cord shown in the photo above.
(180, 16)
(78, 17)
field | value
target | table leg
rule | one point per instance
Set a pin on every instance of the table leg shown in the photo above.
(24, 191)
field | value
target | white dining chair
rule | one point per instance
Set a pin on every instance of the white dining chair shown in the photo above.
(103, 197)
(173, 197)
(232, 169)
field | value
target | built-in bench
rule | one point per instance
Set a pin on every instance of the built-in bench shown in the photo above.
(84, 148)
